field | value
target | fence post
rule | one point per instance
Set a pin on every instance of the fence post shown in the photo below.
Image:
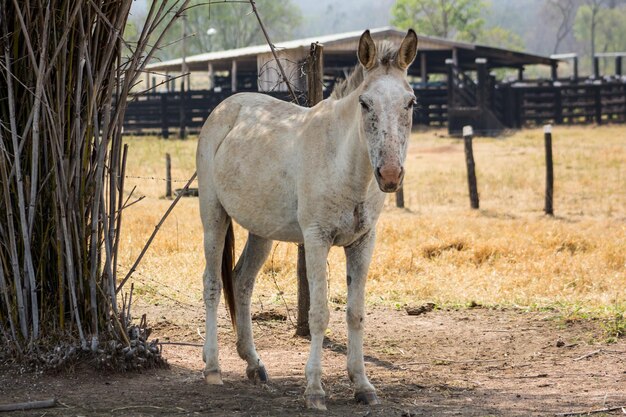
(554, 72)
(598, 103)
(547, 133)
(450, 69)
(315, 74)
(315, 79)
(558, 105)
(519, 108)
(183, 131)
(168, 175)
(165, 131)
(400, 197)
(482, 93)
(469, 160)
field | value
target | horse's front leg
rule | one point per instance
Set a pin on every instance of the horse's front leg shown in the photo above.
(316, 254)
(358, 257)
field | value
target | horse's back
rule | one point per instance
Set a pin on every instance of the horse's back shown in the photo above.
(247, 154)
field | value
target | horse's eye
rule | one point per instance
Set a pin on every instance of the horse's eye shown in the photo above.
(411, 103)
(364, 105)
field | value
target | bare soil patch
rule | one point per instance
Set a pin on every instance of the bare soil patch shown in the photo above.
(471, 362)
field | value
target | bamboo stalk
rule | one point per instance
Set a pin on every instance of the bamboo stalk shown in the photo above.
(62, 163)
(20, 193)
(13, 256)
(118, 226)
(5, 293)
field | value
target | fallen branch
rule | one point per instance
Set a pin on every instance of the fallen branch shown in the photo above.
(452, 361)
(31, 405)
(470, 360)
(532, 376)
(586, 413)
(595, 352)
(137, 406)
(182, 344)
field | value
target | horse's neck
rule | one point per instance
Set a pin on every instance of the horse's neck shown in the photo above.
(352, 154)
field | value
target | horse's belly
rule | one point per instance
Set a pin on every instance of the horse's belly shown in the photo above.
(269, 211)
(276, 223)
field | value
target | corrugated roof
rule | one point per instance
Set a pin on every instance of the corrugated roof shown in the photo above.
(298, 43)
(516, 58)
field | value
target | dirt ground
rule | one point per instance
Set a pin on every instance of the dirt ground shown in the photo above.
(469, 362)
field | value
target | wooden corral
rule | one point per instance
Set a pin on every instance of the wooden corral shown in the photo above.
(453, 81)
(168, 112)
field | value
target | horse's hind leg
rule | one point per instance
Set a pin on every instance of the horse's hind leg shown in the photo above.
(254, 255)
(216, 223)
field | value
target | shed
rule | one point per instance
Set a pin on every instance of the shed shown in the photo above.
(253, 68)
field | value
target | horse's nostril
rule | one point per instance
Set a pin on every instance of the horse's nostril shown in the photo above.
(378, 172)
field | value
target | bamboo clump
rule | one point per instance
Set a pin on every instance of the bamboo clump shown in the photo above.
(65, 75)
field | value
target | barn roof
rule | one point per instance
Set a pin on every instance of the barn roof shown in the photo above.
(339, 50)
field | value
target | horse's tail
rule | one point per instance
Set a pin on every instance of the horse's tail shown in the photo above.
(228, 263)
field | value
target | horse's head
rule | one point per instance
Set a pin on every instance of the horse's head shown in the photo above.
(387, 102)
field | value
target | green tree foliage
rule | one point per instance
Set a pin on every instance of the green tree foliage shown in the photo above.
(601, 27)
(234, 23)
(500, 37)
(452, 19)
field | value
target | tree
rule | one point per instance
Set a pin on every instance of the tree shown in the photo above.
(589, 12)
(564, 13)
(235, 26)
(602, 23)
(611, 36)
(500, 37)
(451, 19)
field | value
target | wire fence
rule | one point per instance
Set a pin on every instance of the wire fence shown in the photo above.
(156, 178)
(158, 286)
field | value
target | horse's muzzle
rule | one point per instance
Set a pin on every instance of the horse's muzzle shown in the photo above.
(389, 178)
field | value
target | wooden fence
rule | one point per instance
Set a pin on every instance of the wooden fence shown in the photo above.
(162, 113)
(534, 105)
(514, 105)
(165, 113)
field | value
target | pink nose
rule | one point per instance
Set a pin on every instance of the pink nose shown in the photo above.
(389, 177)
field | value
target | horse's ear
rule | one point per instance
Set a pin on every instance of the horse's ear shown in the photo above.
(367, 51)
(408, 50)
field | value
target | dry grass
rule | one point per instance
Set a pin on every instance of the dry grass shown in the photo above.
(507, 253)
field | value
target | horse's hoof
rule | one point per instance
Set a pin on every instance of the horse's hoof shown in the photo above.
(257, 375)
(213, 377)
(315, 401)
(366, 397)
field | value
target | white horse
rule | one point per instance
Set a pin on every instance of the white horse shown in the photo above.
(308, 175)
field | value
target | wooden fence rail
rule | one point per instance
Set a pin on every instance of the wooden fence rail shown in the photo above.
(563, 104)
(164, 113)
(515, 105)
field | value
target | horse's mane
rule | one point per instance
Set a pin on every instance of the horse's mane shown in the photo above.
(387, 53)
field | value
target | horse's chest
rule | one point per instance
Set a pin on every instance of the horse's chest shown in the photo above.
(353, 222)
